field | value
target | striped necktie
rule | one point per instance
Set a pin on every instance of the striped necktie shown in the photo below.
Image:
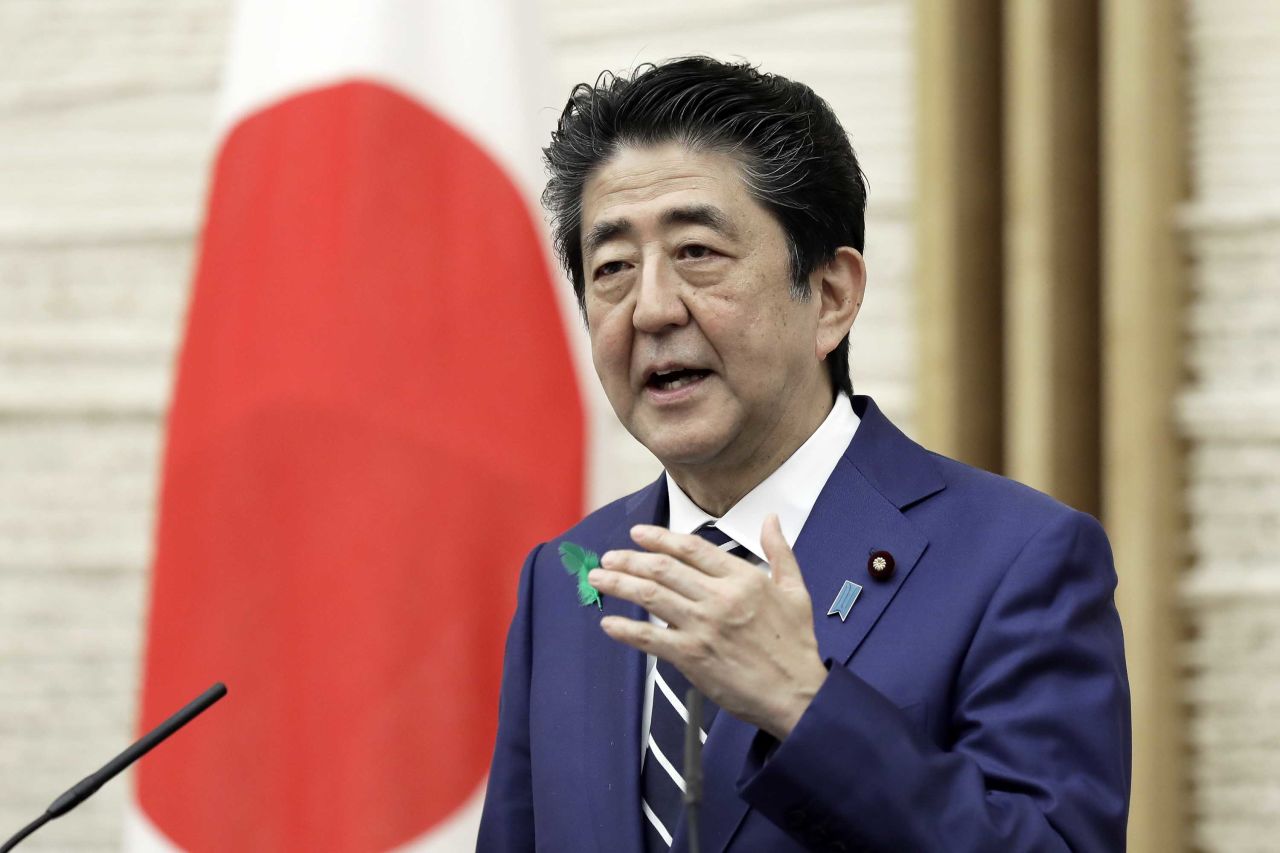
(662, 771)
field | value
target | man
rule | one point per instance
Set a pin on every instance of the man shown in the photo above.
(906, 654)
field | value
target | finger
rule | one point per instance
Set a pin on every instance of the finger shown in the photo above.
(645, 636)
(782, 560)
(687, 548)
(679, 577)
(652, 596)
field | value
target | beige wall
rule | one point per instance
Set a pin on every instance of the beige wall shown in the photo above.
(105, 109)
(1229, 417)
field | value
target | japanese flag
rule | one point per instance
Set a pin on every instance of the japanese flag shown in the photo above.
(376, 417)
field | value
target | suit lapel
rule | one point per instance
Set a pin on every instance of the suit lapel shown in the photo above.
(859, 511)
(849, 522)
(614, 695)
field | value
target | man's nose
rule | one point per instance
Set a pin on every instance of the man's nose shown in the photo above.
(658, 302)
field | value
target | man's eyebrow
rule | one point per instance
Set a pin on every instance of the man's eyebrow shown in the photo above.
(603, 232)
(701, 214)
(694, 214)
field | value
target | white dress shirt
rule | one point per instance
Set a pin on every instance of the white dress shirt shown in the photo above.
(791, 491)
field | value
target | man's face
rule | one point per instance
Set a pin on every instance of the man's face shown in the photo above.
(703, 353)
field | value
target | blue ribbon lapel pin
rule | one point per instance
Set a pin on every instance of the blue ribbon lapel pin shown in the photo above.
(844, 600)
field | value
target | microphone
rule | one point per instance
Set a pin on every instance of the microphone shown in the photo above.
(86, 787)
(692, 766)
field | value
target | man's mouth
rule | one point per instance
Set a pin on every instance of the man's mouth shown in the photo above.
(672, 380)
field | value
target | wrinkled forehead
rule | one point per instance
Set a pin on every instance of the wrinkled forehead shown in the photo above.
(643, 185)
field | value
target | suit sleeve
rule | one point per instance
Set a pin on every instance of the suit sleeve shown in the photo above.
(1040, 729)
(506, 823)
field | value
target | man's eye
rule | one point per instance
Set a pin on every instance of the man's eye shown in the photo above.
(610, 268)
(696, 251)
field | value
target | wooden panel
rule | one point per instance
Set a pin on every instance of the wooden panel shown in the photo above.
(1051, 249)
(1143, 278)
(959, 216)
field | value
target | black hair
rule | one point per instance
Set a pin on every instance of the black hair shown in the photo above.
(795, 157)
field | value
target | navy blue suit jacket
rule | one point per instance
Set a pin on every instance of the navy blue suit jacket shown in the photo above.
(977, 699)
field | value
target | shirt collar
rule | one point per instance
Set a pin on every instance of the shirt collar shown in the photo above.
(791, 491)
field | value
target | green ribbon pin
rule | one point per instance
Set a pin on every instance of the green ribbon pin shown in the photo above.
(577, 562)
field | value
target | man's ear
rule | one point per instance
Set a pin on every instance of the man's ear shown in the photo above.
(838, 286)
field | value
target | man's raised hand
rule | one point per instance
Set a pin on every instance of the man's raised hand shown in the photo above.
(743, 638)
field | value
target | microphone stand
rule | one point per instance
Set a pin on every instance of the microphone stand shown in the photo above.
(692, 767)
(87, 786)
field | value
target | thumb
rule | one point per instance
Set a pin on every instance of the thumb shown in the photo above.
(782, 561)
